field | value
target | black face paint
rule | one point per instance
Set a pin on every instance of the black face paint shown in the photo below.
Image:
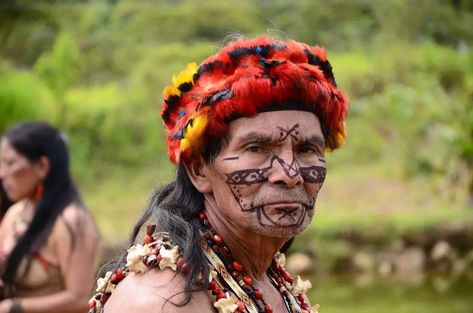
(273, 215)
(282, 216)
(284, 133)
(231, 158)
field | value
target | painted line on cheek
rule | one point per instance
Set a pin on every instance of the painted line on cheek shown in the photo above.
(231, 158)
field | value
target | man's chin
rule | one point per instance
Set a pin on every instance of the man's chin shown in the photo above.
(282, 217)
(280, 231)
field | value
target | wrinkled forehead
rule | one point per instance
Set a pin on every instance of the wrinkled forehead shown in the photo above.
(276, 124)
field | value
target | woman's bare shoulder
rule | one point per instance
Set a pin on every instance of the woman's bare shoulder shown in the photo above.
(156, 291)
(76, 219)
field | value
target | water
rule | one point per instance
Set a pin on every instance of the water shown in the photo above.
(382, 295)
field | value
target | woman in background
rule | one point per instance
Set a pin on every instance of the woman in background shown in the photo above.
(48, 241)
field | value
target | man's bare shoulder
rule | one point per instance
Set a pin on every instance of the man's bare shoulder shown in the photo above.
(156, 291)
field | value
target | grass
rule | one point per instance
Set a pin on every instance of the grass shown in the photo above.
(342, 295)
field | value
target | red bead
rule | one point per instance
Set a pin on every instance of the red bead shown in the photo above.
(113, 279)
(304, 306)
(301, 298)
(225, 251)
(247, 279)
(185, 268)
(217, 239)
(287, 277)
(120, 274)
(117, 276)
(212, 285)
(92, 303)
(241, 306)
(179, 262)
(148, 239)
(267, 308)
(202, 215)
(237, 266)
(258, 294)
(221, 295)
(105, 296)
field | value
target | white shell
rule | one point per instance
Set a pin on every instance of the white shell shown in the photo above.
(226, 305)
(104, 285)
(280, 259)
(300, 286)
(169, 257)
(134, 258)
(212, 273)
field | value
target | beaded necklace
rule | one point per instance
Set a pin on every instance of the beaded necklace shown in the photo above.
(232, 272)
(226, 274)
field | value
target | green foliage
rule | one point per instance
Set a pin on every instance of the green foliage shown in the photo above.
(97, 69)
(57, 68)
(23, 97)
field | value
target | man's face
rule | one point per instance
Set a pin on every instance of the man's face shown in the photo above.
(267, 177)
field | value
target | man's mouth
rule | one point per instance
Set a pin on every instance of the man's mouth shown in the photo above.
(281, 214)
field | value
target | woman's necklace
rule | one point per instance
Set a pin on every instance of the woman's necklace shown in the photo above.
(22, 221)
(226, 274)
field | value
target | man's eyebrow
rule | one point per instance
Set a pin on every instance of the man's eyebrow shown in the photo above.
(255, 137)
(313, 140)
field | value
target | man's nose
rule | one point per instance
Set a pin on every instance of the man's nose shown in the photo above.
(285, 172)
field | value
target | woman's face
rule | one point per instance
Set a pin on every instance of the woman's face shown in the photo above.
(19, 176)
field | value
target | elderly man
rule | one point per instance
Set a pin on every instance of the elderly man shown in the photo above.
(248, 130)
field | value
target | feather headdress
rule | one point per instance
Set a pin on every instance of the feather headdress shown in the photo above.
(246, 77)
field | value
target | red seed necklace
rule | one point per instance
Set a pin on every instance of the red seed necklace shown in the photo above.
(232, 272)
(158, 252)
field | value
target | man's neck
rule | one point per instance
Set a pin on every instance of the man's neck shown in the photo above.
(254, 251)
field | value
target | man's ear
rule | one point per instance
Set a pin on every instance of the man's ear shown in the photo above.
(198, 172)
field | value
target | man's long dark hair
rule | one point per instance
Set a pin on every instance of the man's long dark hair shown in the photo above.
(34, 140)
(175, 208)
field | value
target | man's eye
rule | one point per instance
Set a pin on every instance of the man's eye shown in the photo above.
(253, 148)
(311, 150)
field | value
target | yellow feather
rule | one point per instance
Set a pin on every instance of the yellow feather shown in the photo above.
(194, 133)
(186, 76)
(171, 91)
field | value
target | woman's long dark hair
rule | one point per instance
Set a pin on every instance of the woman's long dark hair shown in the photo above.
(5, 203)
(34, 140)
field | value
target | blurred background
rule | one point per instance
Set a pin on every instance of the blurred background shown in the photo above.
(394, 225)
